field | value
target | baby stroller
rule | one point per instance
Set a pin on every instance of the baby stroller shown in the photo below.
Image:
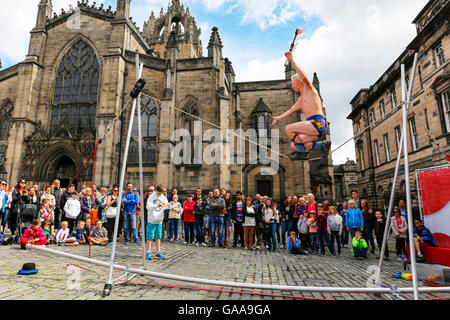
(25, 218)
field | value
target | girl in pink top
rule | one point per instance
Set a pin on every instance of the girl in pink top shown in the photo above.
(33, 235)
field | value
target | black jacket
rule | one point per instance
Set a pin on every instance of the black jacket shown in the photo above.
(199, 211)
(19, 200)
(380, 227)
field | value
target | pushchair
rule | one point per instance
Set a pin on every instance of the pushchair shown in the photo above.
(25, 218)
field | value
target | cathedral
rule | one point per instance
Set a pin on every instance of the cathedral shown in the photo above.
(77, 77)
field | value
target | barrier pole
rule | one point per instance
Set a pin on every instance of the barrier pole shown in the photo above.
(407, 183)
(108, 285)
(236, 284)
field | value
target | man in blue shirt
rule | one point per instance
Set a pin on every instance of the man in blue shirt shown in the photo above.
(422, 235)
(130, 200)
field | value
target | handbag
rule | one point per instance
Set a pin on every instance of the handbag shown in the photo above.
(111, 212)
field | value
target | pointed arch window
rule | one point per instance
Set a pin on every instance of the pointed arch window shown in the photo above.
(188, 118)
(76, 89)
(149, 123)
(5, 122)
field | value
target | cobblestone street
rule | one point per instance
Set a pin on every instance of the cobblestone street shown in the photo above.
(52, 282)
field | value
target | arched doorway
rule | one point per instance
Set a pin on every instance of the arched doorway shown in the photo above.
(64, 169)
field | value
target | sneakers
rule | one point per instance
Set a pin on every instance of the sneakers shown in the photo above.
(126, 243)
(204, 244)
(138, 244)
(148, 256)
(184, 242)
(177, 240)
(405, 258)
(419, 254)
(159, 256)
(334, 255)
(196, 244)
(399, 257)
(298, 156)
(171, 240)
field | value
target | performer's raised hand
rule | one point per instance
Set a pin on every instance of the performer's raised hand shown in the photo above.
(289, 56)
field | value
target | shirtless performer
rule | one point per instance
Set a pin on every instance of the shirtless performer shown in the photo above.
(305, 134)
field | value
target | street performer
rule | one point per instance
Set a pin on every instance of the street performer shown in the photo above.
(305, 135)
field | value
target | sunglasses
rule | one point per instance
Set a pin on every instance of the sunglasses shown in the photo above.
(3, 184)
(116, 190)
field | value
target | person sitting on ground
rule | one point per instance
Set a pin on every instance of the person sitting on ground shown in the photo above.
(99, 234)
(359, 246)
(33, 235)
(62, 237)
(79, 233)
(49, 230)
(422, 235)
(293, 246)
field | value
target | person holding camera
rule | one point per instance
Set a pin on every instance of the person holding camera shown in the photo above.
(271, 220)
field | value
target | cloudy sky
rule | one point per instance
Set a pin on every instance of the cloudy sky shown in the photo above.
(349, 43)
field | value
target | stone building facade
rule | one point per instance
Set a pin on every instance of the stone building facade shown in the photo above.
(377, 116)
(77, 76)
(345, 180)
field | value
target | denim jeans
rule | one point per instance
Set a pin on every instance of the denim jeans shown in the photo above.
(216, 224)
(226, 224)
(362, 253)
(189, 232)
(284, 229)
(368, 236)
(290, 226)
(5, 218)
(324, 234)
(313, 241)
(199, 231)
(174, 228)
(131, 217)
(272, 237)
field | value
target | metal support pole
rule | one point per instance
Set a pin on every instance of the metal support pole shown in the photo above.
(407, 184)
(389, 214)
(141, 175)
(108, 286)
(222, 283)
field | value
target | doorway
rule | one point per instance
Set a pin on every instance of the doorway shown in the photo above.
(264, 188)
(64, 170)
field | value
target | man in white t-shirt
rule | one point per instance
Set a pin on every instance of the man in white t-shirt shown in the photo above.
(155, 207)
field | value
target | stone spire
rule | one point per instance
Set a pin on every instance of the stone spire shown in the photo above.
(215, 38)
(215, 47)
(123, 9)
(44, 12)
(316, 84)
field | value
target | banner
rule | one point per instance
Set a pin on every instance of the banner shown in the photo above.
(435, 193)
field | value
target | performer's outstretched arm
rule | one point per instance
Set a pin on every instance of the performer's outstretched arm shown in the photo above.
(299, 70)
(296, 107)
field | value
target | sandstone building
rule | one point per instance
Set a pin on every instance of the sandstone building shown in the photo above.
(377, 116)
(77, 76)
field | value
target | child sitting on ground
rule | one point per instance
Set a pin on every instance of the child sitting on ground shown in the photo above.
(79, 233)
(49, 230)
(99, 234)
(359, 248)
(62, 237)
(33, 235)
(293, 246)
